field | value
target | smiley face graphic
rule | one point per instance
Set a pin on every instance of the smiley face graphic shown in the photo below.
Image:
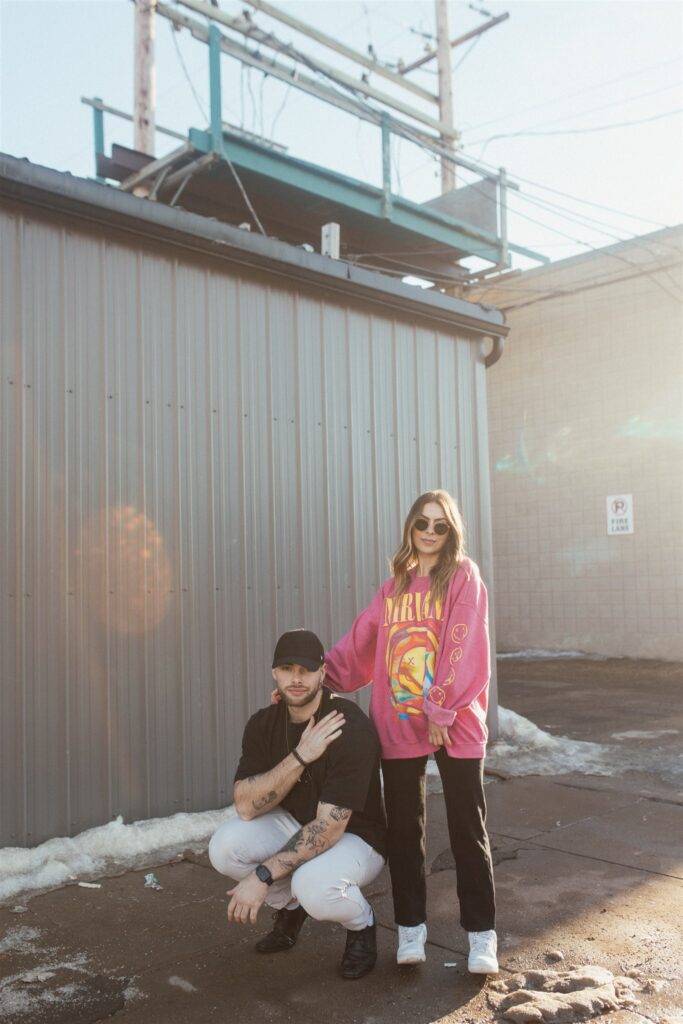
(411, 651)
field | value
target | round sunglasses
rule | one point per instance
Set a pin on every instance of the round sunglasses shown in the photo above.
(421, 524)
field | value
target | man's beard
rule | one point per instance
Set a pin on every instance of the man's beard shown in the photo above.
(300, 702)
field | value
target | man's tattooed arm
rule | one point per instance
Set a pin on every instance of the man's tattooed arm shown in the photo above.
(261, 793)
(311, 840)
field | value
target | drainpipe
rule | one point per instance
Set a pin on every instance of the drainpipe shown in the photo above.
(496, 352)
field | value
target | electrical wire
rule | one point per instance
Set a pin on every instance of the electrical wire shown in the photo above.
(467, 52)
(579, 241)
(584, 131)
(552, 293)
(571, 238)
(593, 110)
(281, 109)
(571, 95)
(227, 160)
(186, 73)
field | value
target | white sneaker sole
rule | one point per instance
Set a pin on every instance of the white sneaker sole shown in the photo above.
(482, 968)
(410, 958)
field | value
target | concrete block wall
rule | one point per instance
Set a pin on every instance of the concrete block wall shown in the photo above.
(586, 402)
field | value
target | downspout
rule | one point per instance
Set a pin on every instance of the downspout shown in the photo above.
(490, 359)
(496, 352)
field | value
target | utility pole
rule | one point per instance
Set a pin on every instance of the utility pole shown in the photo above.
(145, 76)
(443, 56)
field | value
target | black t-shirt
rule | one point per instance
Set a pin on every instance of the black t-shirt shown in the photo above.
(346, 775)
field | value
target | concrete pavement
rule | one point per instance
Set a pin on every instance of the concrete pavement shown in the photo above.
(588, 866)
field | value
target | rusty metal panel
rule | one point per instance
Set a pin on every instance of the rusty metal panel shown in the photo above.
(195, 457)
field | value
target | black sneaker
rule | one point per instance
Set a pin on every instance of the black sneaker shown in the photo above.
(360, 954)
(285, 931)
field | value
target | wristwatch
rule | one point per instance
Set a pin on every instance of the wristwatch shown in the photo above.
(262, 873)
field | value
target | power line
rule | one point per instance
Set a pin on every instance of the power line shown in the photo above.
(174, 33)
(584, 131)
(587, 245)
(466, 54)
(578, 199)
(593, 110)
(578, 241)
(571, 95)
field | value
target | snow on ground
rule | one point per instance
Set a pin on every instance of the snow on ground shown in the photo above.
(521, 749)
(524, 749)
(105, 850)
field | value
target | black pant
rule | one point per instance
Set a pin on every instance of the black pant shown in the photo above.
(463, 790)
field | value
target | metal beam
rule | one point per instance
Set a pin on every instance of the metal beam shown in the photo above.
(334, 74)
(97, 104)
(98, 130)
(150, 169)
(386, 166)
(215, 88)
(354, 195)
(334, 44)
(405, 68)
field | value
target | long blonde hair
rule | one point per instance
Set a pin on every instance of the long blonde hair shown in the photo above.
(451, 554)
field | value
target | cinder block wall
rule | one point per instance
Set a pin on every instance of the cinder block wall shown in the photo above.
(587, 402)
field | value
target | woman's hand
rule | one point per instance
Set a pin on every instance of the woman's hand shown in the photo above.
(438, 734)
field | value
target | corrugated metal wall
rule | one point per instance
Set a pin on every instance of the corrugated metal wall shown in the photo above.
(192, 461)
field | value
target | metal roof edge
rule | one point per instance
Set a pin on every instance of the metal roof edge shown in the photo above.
(613, 249)
(90, 200)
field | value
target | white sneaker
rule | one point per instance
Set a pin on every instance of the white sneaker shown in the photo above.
(483, 948)
(411, 944)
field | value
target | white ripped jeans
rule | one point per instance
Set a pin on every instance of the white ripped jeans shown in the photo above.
(327, 887)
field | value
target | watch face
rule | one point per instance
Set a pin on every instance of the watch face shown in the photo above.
(264, 874)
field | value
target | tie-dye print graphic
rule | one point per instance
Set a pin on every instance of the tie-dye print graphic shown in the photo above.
(411, 652)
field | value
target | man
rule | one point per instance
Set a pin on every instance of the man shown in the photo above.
(310, 828)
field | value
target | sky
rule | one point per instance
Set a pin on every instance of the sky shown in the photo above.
(579, 100)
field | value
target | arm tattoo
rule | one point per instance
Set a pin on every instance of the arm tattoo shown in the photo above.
(293, 843)
(340, 813)
(270, 798)
(315, 835)
(311, 837)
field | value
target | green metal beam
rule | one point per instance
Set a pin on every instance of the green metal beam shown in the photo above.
(215, 92)
(386, 165)
(98, 130)
(356, 195)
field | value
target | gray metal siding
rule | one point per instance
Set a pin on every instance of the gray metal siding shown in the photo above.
(193, 460)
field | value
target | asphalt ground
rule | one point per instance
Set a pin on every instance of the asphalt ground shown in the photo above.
(589, 867)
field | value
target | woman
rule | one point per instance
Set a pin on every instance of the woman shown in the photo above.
(423, 643)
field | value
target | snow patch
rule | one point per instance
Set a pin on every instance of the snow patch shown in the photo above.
(19, 940)
(22, 993)
(106, 849)
(524, 749)
(644, 734)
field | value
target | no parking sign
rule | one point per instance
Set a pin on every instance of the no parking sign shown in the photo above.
(620, 513)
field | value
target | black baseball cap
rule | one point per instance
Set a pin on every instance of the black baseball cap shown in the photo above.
(299, 647)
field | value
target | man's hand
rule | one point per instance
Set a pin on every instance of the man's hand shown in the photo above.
(438, 734)
(246, 900)
(316, 737)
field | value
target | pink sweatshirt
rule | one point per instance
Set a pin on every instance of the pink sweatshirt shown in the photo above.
(426, 659)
